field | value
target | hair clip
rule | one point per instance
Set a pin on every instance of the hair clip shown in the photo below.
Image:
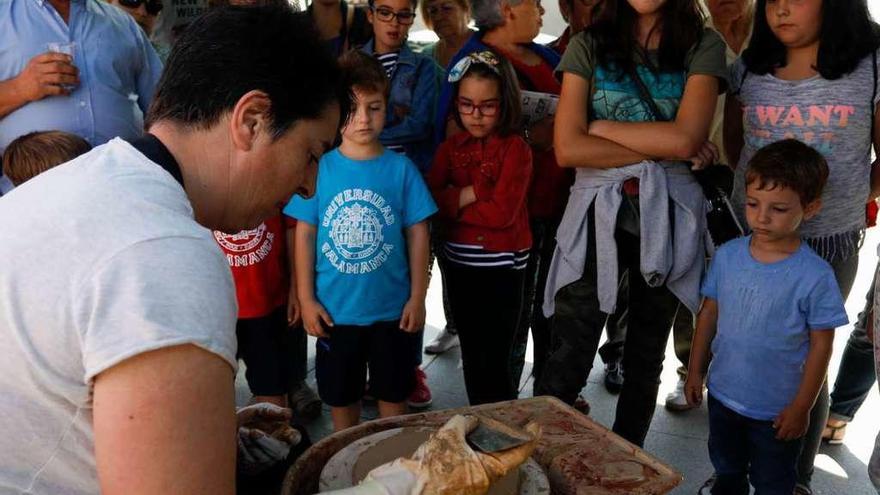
(484, 57)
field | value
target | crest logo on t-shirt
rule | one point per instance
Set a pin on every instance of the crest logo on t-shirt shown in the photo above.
(356, 219)
(356, 232)
(247, 247)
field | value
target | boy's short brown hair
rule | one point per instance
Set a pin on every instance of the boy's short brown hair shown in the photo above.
(792, 164)
(363, 72)
(32, 154)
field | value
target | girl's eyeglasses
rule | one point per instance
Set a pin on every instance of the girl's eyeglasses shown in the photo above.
(153, 7)
(385, 14)
(488, 108)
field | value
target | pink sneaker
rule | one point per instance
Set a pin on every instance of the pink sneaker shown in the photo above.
(421, 394)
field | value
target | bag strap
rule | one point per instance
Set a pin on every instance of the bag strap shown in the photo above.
(645, 94)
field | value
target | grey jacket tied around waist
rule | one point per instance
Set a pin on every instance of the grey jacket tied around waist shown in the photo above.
(673, 240)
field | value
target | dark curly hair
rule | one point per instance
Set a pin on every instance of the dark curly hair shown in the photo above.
(847, 35)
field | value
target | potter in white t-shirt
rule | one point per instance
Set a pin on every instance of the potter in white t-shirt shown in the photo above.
(117, 308)
(106, 262)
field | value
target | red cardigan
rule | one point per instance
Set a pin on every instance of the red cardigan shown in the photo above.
(500, 169)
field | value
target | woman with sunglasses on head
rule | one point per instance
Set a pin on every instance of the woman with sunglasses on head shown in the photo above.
(143, 12)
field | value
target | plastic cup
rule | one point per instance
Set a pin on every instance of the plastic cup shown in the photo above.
(66, 48)
(61, 47)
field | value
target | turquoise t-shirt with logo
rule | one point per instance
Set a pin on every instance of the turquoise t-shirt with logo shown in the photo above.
(361, 209)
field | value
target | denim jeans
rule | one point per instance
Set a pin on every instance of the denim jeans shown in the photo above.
(577, 326)
(745, 450)
(874, 463)
(856, 375)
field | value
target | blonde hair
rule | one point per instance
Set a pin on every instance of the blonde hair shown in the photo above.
(32, 154)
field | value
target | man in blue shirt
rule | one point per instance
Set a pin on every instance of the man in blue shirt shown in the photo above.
(99, 93)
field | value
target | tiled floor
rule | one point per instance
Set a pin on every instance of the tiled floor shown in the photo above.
(677, 438)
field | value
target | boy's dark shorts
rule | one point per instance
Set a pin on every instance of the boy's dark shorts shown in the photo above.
(265, 344)
(341, 363)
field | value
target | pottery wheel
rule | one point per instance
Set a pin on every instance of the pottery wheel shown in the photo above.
(351, 464)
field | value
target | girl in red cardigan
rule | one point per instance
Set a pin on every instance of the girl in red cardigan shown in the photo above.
(480, 179)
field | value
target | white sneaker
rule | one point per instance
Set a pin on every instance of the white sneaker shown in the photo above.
(444, 341)
(676, 401)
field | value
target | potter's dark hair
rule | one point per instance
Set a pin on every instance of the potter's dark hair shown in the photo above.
(230, 51)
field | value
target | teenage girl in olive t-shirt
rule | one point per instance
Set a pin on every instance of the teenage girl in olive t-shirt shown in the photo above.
(603, 122)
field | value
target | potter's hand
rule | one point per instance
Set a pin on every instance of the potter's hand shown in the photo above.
(264, 436)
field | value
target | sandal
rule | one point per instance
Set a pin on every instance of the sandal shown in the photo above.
(833, 435)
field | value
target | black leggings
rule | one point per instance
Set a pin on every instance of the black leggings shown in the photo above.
(486, 303)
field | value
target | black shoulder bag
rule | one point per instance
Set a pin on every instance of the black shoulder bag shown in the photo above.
(716, 181)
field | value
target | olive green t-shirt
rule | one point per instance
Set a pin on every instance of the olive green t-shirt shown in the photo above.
(618, 98)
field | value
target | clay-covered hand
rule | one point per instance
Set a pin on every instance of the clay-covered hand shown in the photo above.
(264, 436)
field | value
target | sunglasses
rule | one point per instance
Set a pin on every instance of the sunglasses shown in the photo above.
(153, 7)
(385, 14)
(487, 109)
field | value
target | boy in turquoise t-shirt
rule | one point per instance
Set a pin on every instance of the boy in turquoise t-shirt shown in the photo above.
(361, 249)
(769, 315)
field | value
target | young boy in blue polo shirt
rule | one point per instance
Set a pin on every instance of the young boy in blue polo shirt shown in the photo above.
(361, 252)
(770, 311)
